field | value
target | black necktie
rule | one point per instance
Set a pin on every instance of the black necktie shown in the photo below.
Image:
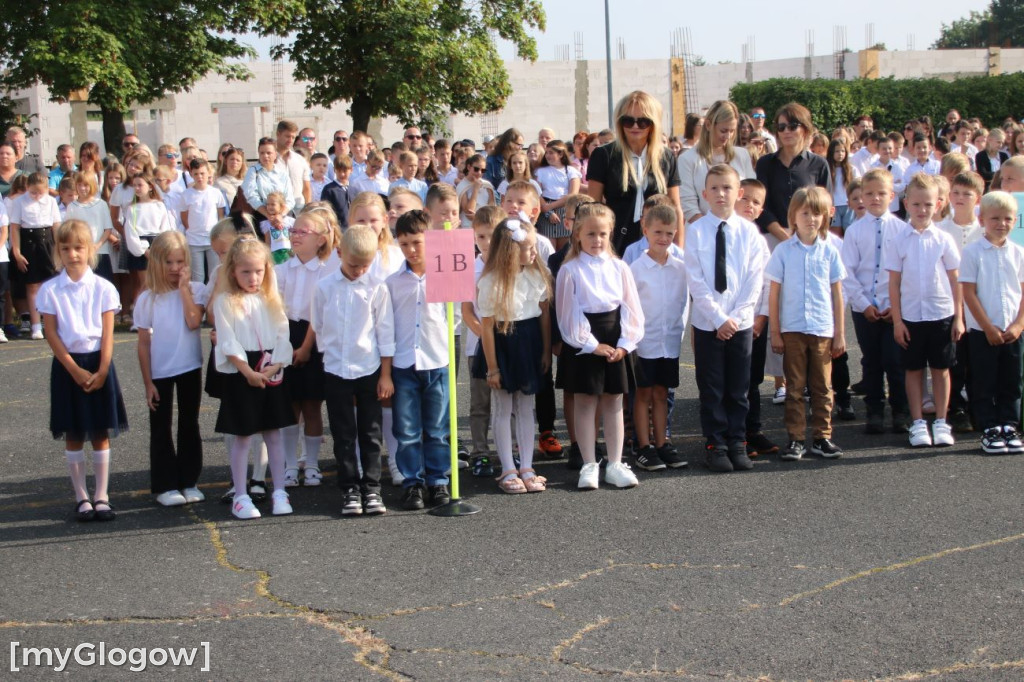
(720, 279)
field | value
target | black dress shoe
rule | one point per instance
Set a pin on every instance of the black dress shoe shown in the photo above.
(413, 498)
(104, 514)
(84, 515)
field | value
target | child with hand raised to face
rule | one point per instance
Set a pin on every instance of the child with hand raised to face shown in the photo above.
(168, 315)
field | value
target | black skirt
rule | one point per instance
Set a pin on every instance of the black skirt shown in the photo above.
(85, 416)
(305, 382)
(134, 263)
(245, 409)
(37, 248)
(519, 354)
(593, 375)
(214, 385)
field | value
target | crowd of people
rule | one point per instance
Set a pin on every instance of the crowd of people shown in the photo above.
(594, 258)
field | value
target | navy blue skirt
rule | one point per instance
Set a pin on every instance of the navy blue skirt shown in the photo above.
(246, 410)
(214, 379)
(85, 416)
(519, 357)
(37, 248)
(305, 382)
(593, 375)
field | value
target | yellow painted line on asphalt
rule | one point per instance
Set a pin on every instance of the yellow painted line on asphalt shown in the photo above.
(48, 354)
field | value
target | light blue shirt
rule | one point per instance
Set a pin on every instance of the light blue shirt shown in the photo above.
(637, 249)
(414, 185)
(806, 275)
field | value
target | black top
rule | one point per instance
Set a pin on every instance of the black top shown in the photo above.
(781, 183)
(605, 166)
(339, 198)
(984, 164)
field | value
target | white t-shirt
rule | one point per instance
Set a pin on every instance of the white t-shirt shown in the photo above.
(29, 213)
(201, 206)
(279, 239)
(298, 173)
(144, 219)
(503, 187)
(175, 348)
(554, 182)
(97, 215)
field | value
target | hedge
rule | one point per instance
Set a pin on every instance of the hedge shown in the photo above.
(890, 102)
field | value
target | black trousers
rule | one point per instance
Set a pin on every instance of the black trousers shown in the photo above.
(723, 379)
(995, 381)
(170, 468)
(758, 353)
(960, 374)
(363, 421)
(544, 401)
(880, 360)
(841, 380)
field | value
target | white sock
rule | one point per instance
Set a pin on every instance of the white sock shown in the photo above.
(259, 460)
(525, 426)
(312, 445)
(275, 455)
(76, 467)
(101, 472)
(501, 407)
(239, 454)
(38, 327)
(290, 440)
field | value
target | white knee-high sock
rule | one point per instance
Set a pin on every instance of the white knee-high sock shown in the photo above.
(525, 426)
(312, 445)
(290, 441)
(76, 467)
(387, 424)
(614, 429)
(501, 407)
(239, 454)
(101, 472)
(275, 454)
(586, 431)
(259, 460)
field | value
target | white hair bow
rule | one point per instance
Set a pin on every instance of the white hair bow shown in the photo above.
(516, 230)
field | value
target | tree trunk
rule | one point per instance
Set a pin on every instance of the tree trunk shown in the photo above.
(361, 113)
(113, 130)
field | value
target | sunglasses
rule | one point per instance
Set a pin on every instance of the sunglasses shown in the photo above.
(791, 127)
(478, 169)
(171, 156)
(129, 145)
(341, 139)
(642, 123)
(308, 139)
(414, 137)
(757, 116)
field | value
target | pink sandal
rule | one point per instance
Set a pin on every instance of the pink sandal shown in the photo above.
(534, 483)
(509, 482)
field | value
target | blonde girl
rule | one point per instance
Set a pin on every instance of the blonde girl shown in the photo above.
(252, 350)
(368, 209)
(85, 397)
(513, 295)
(96, 214)
(518, 169)
(601, 323)
(558, 180)
(312, 243)
(144, 219)
(168, 315)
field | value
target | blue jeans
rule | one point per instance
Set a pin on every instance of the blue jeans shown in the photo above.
(420, 408)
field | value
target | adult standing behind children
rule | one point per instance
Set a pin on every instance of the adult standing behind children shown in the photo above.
(636, 165)
(293, 163)
(510, 142)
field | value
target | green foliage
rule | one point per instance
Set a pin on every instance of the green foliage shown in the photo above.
(1002, 24)
(890, 102)
(970, 31)
(417, 60)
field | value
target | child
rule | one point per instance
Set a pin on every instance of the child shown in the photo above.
(201, 207)
(512, 297)
(401, 200)
(277, 227)
(558, 179)
(867, 290)
(992, 280)
(312, 243)
(5, 272)
(354, 324)
(372, 180)
(926, 307)
(359, 145)
(842, 172)
(96, 214)
(67, 192)
(446, 171)
(806, 320)
(252, 349)
(725, 259)
(601, 322)
(473, 190)
(143, 221)
(338, 193)
(318, 164)
(408, 163)
(484, 223)
(420, 373)
(989, 161)
(518, 169)
(168, 315)
(661, 285)
(923, 161)
(887, 160)
(85, 397)
(1011, 174)
(637, 248)
(368, 209)
(442, 206)
(34, 218)
(855, 196)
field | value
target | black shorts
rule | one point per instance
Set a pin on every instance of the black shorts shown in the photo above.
(931, 344)
(657, 372)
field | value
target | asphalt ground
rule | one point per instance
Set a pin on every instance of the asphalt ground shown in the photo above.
(885, 564)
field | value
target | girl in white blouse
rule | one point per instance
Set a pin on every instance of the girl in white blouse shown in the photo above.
(513, 295)
(168, 315)
(143, 221)
(601, 322)
(558, 180)
(252, 350)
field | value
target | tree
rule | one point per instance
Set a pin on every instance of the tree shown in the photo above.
(972, 31)
(417, 60)
(1002, 24)
(131, 51)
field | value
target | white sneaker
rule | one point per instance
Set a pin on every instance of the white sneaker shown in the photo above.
(589, 476)
(243, 508)
(919, 436)
(291, 478)
(3, 337)
(37, 335)
(619, 475)
(281, 505)
(171, 498)
(312, 477)
(780, 396)
(942, 433)
(193, 495)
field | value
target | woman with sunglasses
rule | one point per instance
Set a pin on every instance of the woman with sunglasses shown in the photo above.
(787, 170)
(633, 167)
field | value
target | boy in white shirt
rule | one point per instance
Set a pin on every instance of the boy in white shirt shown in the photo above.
(409, 163)
(359, 144)
(992, 282)
(923, 161)
(372, 180)
(318, 165)
(202, 206)
(887, 160)
(927, 309)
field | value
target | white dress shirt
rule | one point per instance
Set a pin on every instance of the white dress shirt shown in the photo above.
(78, 307)
(867, 280)
(862, 159)
(28, 213)
(962, 234)
(746, 254)
(665, 302)
(597, 284)
(898, 181)
(245, 323)
(354, 324)
(997, 273)
(530, 290)
(923, 258)
(175, 349)
(421, 328)
(929, 167)
(297, 282)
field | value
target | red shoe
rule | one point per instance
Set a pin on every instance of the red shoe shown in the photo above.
(549, 445)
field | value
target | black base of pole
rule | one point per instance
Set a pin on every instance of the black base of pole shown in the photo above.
(456, 508)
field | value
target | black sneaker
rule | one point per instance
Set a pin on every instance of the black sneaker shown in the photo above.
(574, 461)
(352, 503)
(257, 490)
(900, 422)
(648, 460)
(718, 458)
(846, 413)
(1014, 444)
(876, 423)
(793, 452)
(858, 388)
(737, 453)
(759, 444)
(993, 441)
(373, 505)
(823, 447)
(413, 498)
(668, 454)
(960, 421)
(439, 495)
(481, 466)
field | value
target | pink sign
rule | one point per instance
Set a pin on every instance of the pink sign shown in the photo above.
(450, 257)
